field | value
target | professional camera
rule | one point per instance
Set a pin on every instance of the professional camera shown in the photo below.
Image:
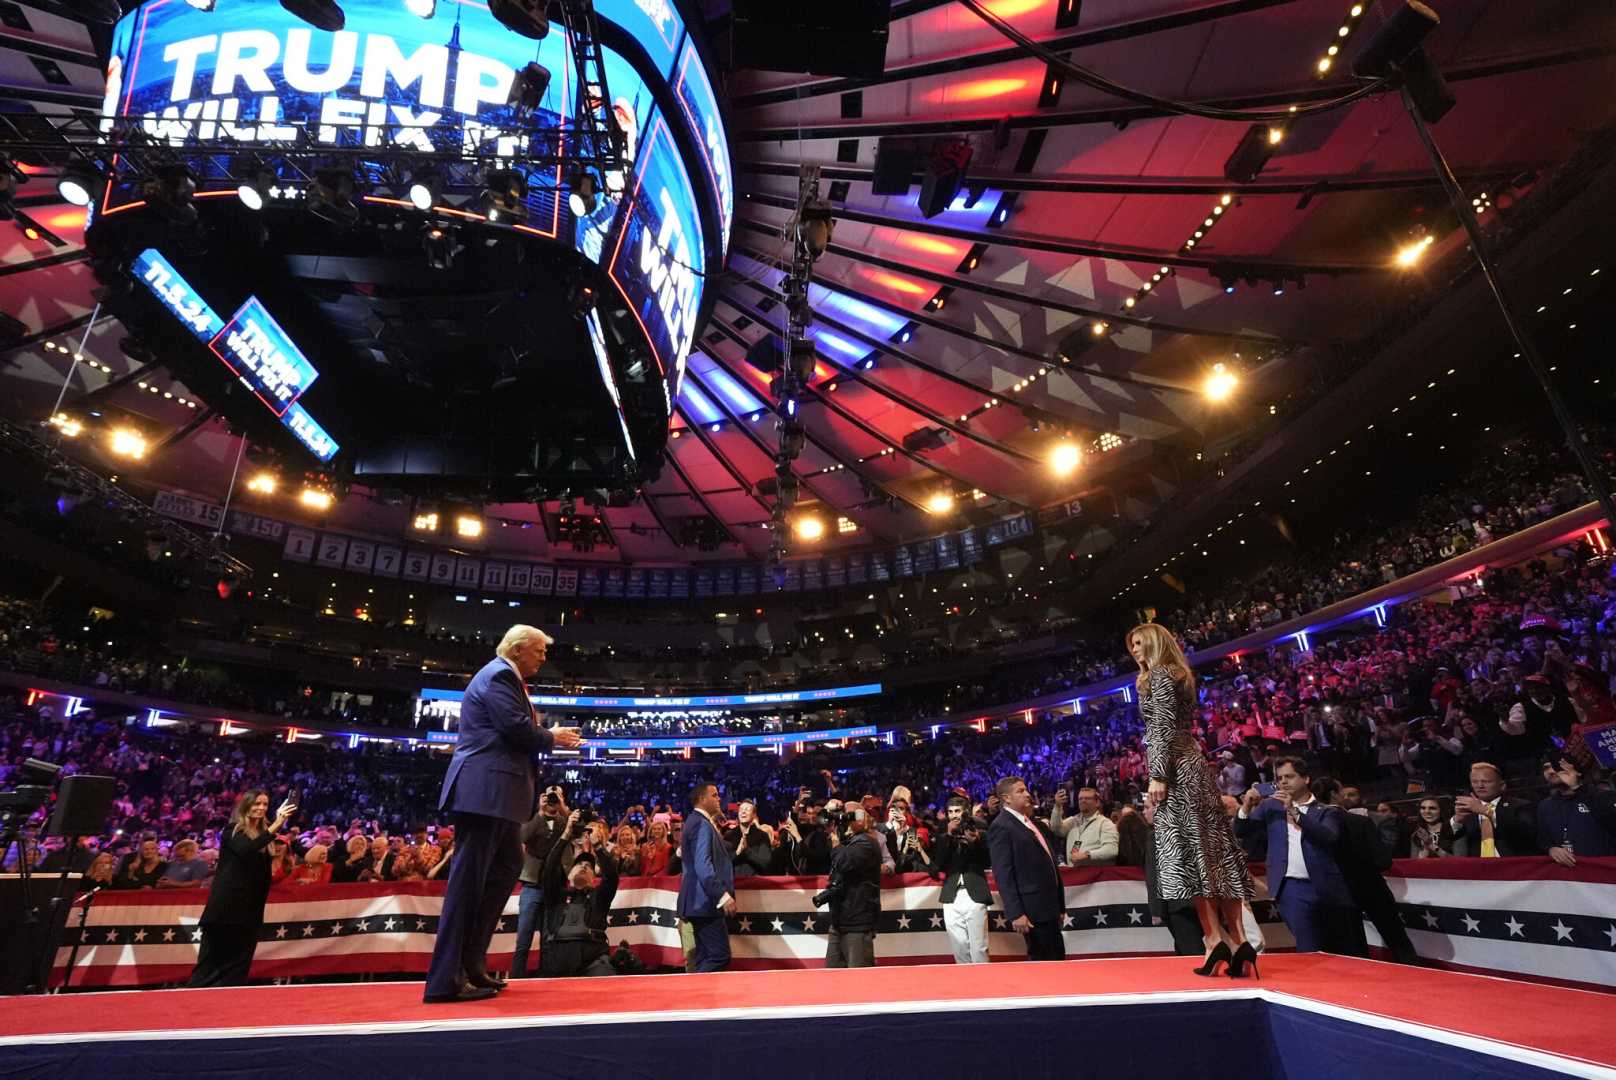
(586, 813)
(36, 780)
(833, 891)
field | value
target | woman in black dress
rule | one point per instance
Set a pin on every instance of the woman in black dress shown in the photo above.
(235, 911)
(1197, 856)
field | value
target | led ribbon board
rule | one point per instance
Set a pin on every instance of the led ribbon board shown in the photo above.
(255, 73)
(701, 742)
(252, 345)
(732, 701)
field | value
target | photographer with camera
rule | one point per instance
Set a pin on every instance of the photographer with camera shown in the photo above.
(578, 892)
(961, 858)
(853, 892)
(541, 832)
(905, 844)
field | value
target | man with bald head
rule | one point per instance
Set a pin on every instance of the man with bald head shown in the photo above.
(489, 791)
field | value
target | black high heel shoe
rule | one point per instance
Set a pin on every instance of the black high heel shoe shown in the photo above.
(1219, 955)
(1243, 956)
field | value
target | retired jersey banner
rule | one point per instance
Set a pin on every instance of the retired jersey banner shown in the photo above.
(1522, 916)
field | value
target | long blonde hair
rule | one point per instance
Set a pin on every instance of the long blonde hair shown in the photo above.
(1161, 651)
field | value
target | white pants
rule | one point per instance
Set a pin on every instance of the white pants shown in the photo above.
(967, 925)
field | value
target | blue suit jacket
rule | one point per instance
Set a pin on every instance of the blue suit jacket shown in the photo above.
(1028, 879)
(492, 771)
(1321, 832)
(708, 871)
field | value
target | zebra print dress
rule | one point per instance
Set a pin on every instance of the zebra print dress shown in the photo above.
(1196, 851)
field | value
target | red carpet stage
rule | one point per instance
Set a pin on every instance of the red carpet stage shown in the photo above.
(1316, 1016)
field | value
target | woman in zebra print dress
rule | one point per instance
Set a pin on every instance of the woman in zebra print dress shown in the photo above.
(1197, 856)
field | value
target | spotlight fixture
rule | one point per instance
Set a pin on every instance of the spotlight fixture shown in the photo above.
(80, 184)
(583, 200)
(525, 17)
(426, 187)
(263, 483)
(506, 193)
(1409, 255)
(441, 243)
(940, 503)
(314, 498)
(127, 442)
(256, 180)
(792, 438)
(800, 360)
(1065, 458)
(1395, 52)
(1220, 383)
(421, 9)
(321, 14)
(815, 227)
(1251, 154)
(468, 526)
(809, 528)
(67, 425)
(582, 296)
(331, 197)
(169, 193)
(529, 87)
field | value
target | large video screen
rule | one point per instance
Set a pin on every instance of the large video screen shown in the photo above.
(253, 72)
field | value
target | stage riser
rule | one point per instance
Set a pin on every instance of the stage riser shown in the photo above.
(1207, 1040)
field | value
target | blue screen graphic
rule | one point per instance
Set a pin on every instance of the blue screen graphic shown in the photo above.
(275, 376)
(253, 345)
(699, 701)
(255, 72)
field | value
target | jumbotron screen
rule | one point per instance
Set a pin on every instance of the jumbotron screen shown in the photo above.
(253, 72)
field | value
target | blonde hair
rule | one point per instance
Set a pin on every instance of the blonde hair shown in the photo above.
(517, 634)
(1161, 651)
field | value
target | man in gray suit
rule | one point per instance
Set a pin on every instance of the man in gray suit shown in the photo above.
(489, 790)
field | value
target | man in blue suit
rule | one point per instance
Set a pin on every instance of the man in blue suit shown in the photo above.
(489, 790)
(707, 883)
(1023, 854)
(1304, 877)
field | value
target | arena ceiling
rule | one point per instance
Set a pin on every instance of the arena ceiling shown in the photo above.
(1076, 217)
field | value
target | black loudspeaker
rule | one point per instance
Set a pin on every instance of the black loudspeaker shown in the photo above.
(82, 803)
(828, 37)
(896, 161)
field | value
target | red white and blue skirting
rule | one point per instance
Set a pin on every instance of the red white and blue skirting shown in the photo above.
(1526, 917)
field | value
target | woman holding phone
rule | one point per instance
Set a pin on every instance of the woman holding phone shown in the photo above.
(235, 910)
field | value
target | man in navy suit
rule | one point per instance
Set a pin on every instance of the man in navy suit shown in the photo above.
(489, 790)
(1304, 877)
(1023, 855)
(707, 883)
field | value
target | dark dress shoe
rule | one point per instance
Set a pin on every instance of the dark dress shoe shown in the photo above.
(488, 981)
(465, 993)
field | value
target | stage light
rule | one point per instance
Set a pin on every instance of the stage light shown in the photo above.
(256, 181)
(79, 184)
(441, 244)
(322, 14)
(583, 199)
(1410, 254)
(422, 9)
(1065, 458)
(127, 442)
(792, 438)
(426, 522)
(1098, 328)
(529, 87)
(315, 499)
(1220, 383)
(468, 526)
(525, 17)
(815, 228)
(426, 187)
(809, 528)
(940, 503)
(1251, 154)
(69, 427)
(506, 193)
(331, 196)
(264, 483)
